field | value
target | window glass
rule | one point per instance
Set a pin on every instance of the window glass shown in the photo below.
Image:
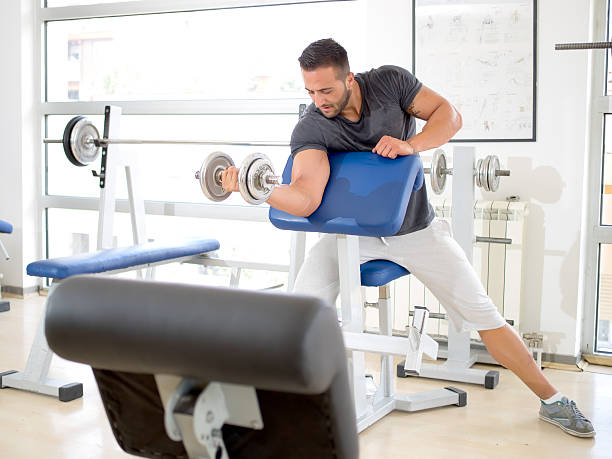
(606, 199)
(243, 53)
(609, 52)
(167, 172)
(75, 231)
(603, 342)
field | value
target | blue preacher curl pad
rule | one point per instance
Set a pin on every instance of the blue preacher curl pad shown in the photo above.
(366, 195)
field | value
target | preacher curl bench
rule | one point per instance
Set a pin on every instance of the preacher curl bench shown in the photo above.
(209, 372)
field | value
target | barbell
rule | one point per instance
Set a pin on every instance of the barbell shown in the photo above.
(487, 172)
(256, 177)
(589, 45)
(82, 142)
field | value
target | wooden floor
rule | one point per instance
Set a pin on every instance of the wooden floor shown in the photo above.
(495, 423)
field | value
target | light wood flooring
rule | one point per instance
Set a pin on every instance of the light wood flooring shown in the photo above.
(495, 423)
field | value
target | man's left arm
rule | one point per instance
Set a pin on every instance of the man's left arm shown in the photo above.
(442, 123)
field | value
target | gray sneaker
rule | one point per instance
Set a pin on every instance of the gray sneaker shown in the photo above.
(566, 415)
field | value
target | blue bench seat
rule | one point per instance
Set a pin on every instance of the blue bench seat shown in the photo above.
(376, 273)
(5, 227)
(120, 258)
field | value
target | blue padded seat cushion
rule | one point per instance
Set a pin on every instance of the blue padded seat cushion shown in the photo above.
(366, 195)
(5, 227)
(120, 258)
(377, 273)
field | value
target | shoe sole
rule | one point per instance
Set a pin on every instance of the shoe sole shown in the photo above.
(569, 431)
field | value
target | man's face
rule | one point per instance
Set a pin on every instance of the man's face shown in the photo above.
(328, 93)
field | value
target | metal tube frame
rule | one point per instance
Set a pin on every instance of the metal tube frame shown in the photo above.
(460, 356)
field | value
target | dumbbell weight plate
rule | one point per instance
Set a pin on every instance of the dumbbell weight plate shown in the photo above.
(478, 167)
(78, 141)
(209, 175)
(251, 178)
(492, 169)
(438, 179)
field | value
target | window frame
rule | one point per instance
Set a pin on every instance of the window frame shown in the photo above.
(593, 232)
(44, 15)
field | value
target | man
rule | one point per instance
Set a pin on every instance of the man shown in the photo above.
(375, 111)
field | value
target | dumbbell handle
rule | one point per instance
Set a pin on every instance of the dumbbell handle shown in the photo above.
(499, 173)
(273, 180)
(443, 171)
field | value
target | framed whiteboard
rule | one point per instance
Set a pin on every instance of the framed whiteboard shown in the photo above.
(480, 55)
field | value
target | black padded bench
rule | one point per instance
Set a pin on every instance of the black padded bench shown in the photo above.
(209, 347)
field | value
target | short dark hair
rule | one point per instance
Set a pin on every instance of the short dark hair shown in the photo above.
(325, 53)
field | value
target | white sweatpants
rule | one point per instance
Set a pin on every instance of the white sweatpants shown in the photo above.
(431, 254)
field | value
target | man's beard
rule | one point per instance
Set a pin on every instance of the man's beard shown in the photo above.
(342, 105)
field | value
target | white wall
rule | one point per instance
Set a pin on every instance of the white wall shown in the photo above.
(546, 173)
(19, 171)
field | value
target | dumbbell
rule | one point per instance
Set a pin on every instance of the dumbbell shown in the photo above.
(487, 172)
(256, 177)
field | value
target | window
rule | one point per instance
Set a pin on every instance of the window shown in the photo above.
(74, 231)
(597, 269)
(212, 74)
(238, 53)
(167, 172)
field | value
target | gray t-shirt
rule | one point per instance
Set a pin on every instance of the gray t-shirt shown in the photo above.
(386, 94)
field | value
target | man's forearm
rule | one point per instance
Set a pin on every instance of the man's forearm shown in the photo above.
(442, 125)
(293, 200)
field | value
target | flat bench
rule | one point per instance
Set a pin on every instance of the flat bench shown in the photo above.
(122, 258)
(109, 261)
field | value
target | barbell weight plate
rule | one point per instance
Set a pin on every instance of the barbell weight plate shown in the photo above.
(78, 141)
(251, 176)
(209, 175)
(483, 173)
(438, 179)
(492, 173)
(66, 140)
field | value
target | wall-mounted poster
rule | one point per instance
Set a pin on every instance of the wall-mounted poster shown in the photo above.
(480, 55)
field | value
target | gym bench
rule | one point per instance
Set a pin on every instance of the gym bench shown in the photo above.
(356, 203)
(110, 261)
(223, 373)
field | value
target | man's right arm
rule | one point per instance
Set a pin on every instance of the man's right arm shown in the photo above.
(309, 177)
(303, 195)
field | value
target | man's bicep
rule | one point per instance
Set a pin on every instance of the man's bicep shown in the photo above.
(310, 172)
(425, 103)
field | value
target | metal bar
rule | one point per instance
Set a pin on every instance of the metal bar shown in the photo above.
(3, 250)
(433, 315)
(591, 45)
(206, 260)
(443, 171)
(494, 240)
(263, 107)
(172, 209)
(102, 142)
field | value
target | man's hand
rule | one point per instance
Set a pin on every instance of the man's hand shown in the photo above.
(390, 147)
(229, 179)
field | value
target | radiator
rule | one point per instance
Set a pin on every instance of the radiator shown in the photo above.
(499, 266)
